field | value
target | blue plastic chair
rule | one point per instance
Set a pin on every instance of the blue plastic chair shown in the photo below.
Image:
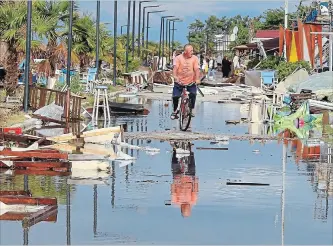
(91, 77)
(92, 74)
(268, 79)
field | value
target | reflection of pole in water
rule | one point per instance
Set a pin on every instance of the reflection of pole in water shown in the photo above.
(141, 124)
(126, 168)
(146, 125)
(68, 214)
(132, 130)
(25, 236)
(113, 184)
(284, 157)
(26, 230)
(26, 185)
(95, 210)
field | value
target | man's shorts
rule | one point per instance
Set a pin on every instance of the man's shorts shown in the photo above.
(178, 89)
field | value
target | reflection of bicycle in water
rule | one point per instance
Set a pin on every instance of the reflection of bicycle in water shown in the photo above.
(184, 189)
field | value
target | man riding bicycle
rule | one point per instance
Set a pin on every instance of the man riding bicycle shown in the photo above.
(186, 72)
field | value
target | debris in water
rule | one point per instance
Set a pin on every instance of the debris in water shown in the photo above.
(167, 203)
(202, 148)
(235, 122)
(250, 184)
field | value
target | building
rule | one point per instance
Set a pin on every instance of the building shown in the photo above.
(262, 35)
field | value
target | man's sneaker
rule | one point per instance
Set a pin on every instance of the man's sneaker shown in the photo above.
(192, 114)
(174, 115)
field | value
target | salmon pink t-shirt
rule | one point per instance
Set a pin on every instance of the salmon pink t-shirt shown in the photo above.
(187, 68)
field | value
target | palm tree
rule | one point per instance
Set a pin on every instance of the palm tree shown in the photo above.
(13, 15)
(48, 23)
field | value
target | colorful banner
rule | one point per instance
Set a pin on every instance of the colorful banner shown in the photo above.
(288, 42)
(281, 40)
(293, 49)
(300, 43)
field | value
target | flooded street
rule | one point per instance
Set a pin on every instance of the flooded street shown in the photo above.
(141, 203)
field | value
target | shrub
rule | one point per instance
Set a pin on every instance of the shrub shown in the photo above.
(283, 68)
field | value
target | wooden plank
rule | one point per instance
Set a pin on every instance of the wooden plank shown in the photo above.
(39, 216)
(56, 169)
(41, 164)
(40, 173)
(28, 200)
(14, 193)
(35, 154)
(22, 138)
(92, 133)
(46, 119)
(20, 216)
(13, 216)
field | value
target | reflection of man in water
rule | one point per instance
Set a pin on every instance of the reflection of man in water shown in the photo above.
(184, 189)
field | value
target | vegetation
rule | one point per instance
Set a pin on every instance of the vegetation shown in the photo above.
(49, 39)
(283, 68)
(40, 186)
(203, 33)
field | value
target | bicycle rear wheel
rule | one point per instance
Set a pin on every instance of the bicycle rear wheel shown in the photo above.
(184, 115)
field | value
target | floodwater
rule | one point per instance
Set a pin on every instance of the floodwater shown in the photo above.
(142, 202)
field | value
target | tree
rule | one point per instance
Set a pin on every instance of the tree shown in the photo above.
(273, 18)
(13, 17)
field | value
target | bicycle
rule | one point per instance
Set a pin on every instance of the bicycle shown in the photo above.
(184, 109)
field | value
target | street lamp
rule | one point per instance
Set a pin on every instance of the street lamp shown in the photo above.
(133, 30)
(147, 32)
(171, 41)
(139, 27)
(98, 14)
(27, 57)
(128, 30)
(162, 35)
(143, 21)
(115, 17)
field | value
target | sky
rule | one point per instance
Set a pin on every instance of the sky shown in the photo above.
(187, 10)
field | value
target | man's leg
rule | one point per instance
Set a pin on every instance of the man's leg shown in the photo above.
(192, 96)
(176, 93)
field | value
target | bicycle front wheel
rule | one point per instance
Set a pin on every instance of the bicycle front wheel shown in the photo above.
(184, 116)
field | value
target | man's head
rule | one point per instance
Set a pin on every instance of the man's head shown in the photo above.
(188, 51)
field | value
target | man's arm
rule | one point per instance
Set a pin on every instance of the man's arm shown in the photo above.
(196, 69)
(175, 69)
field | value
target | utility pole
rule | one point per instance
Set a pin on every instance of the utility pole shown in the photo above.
(139, 25)
(133, 30)
(115, 11)
(97, 36)
(128, 32)
(330, 7)
(285, 27)
(27, 56)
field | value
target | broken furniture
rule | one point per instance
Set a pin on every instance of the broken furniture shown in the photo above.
(20, 205)
(35, 160)
(101, 94)
(91, 77)
(40, 97)
(136, 79)
(126, 107)
(268, 79)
